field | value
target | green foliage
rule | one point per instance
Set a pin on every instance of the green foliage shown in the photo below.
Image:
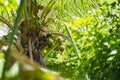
(97, 37)
(7, 9)
(13, 73)
(89, 52)
(104, 43)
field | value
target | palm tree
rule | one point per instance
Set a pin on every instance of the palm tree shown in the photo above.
(32, 24)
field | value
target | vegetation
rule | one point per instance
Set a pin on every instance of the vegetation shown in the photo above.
(79, 39)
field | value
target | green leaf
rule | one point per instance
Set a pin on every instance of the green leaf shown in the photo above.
(13, 71)
(2, 61)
